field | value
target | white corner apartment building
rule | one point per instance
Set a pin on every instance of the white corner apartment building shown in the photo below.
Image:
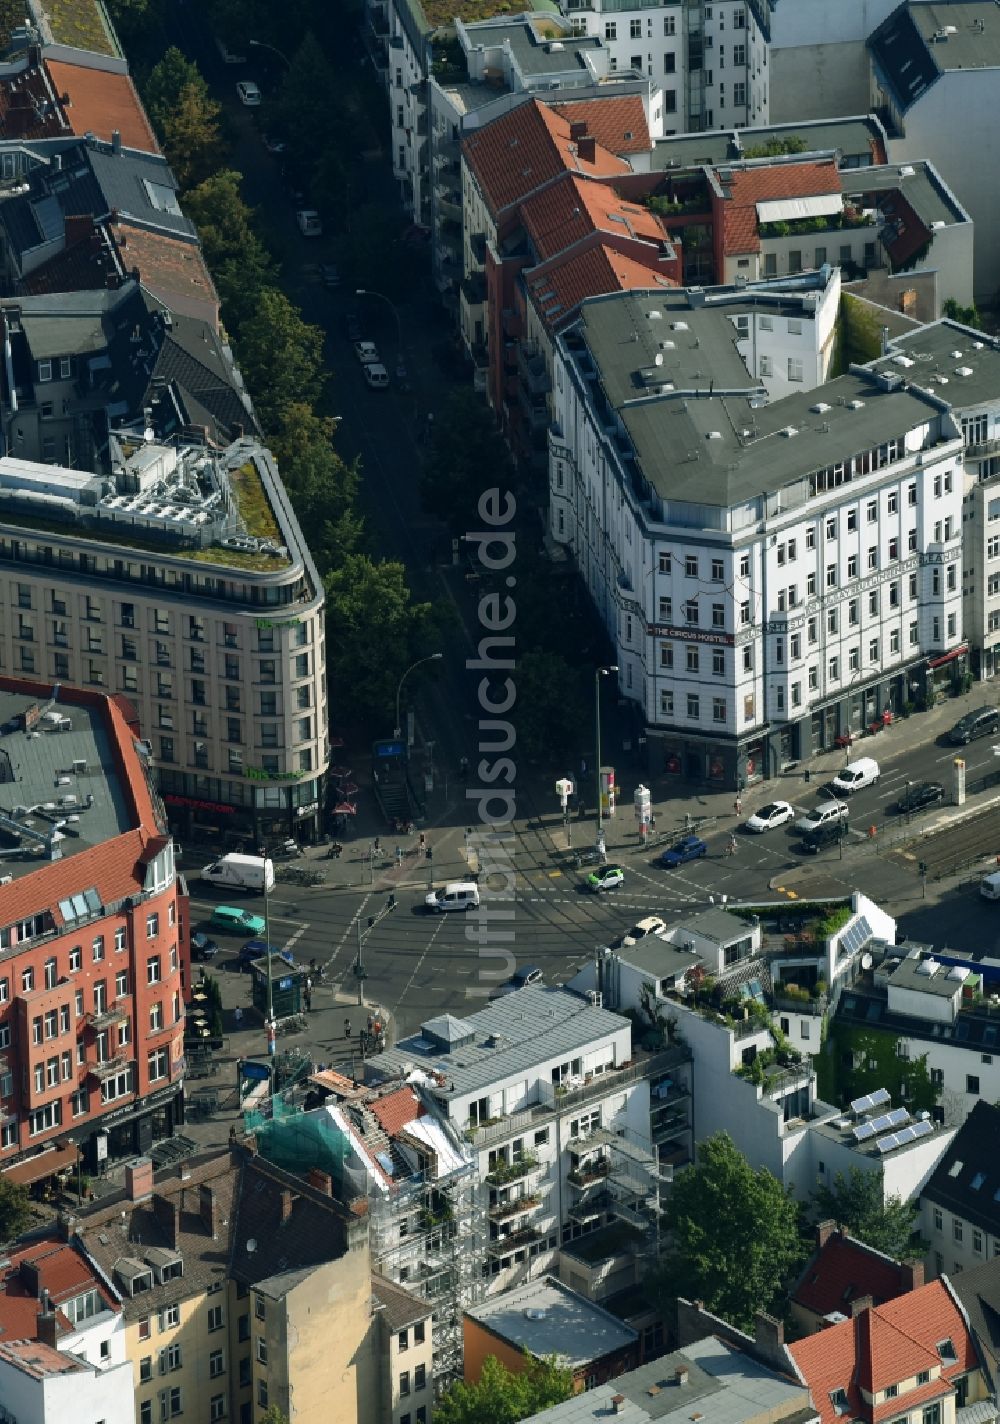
(772, 572)
(544, 1085)
(710, 60)
(178, 577)
(964, 366)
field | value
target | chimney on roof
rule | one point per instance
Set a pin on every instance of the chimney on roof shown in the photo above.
(618, 1403)
(45, 1322)
(116, 140)
(911, 1275)
(681, 1376)
(287, 1198)
(586, 148)
(862, 1303)
(167, 1213)
(769, 1335)
(208, 1209)
(30, 1278)
(138, 1179)
(34, 56)
(322, 1181)
(824, 1230)
(577, 129)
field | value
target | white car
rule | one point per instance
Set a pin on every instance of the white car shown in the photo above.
(367, 353)
(248, 93)
(652, 924)
(822, 815)
(856, 775)
(775, 813)
(376, 375)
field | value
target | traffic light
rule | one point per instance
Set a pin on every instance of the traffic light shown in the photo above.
(923, 867)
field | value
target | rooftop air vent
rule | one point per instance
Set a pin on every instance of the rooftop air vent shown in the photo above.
(963, 370)
(957, 355)
(654, 315)
(906, 170)
(903, 360)
(678, 326)
(714, 435)
(819, 408)
(789, 431)
(856, 404)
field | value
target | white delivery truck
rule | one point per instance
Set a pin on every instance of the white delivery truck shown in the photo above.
(241, 872)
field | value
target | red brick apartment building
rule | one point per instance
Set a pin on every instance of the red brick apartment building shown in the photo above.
(93, 936)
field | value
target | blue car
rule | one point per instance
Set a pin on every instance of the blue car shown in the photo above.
(690, 848)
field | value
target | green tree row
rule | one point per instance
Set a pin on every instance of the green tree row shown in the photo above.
(375, 626)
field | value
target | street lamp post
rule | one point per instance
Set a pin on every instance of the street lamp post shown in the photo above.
(598, 674)
(433, 658)
(367, 292)
(260, 44)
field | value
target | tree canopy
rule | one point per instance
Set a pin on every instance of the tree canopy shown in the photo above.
(281, 356)
(503, 1396)
(15, 1210)
(856, 1203)
(734, 1233)
(467, 456)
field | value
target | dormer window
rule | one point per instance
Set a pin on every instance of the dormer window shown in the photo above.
(891, 1390)
(134, 1276)
(838, 1398)
(946, 1350)
(45, 370)
(924, 1377)
(166, 1265)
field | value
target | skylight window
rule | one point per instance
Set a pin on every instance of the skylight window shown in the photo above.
(977, 1181)
(955, 1168)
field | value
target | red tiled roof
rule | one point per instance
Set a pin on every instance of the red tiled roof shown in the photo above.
(100, 103)
(173, 270)
(571, 207)
(843, 1270)
(564, 284)
(744, 188)
(526, 148)
(396, 1109)
(62, 1271)
(885, 1345)
(619, 125)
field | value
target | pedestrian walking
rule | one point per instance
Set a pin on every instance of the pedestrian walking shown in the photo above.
(238, 1015)
(732, 844)
(399, 856)
(308, 998)
(738, 804)
(423, 840)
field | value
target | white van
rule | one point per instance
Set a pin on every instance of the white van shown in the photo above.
(989, 886)
(458, 895)
(241, 872)
(857, 775)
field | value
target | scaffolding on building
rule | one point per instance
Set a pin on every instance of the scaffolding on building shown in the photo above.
(428, 1233)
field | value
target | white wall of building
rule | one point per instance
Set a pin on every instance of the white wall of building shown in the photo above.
(956, 149)
(84, 1394)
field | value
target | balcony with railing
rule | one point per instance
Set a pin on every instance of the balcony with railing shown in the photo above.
(513, 1171)
(531, 368)
(115, 1013)
(506, 1209)
(983, 448)
(102, 1068)
(514, 1241)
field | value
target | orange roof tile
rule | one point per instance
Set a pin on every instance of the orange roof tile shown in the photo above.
(885, 1345)
(587, 272)
(844, 1270)
(100, 103)
(619, 125)
(62, 1271)
(568, 209)
(526, 148)
(395, 1110)
(744, 188)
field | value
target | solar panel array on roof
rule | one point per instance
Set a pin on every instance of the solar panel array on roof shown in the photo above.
(863, 1132)
(889, 1120)
(855, 936)
(876, 1099)
(905, 1134)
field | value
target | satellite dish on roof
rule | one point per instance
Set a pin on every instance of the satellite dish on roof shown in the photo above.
(866, 961)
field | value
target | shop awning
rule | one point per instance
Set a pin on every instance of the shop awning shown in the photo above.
(44, 1165)
(948, 657)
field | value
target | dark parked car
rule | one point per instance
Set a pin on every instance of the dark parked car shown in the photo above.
(918, 796)
(352, 324)
(980, 723)
(830, 833)
(202, 947)
(690, 848)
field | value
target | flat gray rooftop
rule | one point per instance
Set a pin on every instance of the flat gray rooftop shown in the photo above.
(715, 924)
(852, 137)
(969, 47)
(41, 764)
(940, 350)
(913, 974)
(723, 1386)
(695, 434)
(535, 57)
(658, 956)
(547, 1318)
(512, 1035)
(918, 183)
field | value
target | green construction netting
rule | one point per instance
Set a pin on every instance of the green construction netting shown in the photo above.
(297, 1140)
